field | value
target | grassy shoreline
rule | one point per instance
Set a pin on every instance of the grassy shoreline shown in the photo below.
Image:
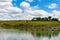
(35, 27)
(32, 23)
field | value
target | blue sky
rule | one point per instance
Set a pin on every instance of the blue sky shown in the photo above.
(27, 9)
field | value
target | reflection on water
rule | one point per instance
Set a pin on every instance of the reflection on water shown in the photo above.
(47, 38)
(14, 35)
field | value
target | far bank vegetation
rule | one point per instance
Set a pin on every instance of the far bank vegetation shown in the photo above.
(45, 19)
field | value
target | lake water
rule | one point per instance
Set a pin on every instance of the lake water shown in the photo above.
(14, 35)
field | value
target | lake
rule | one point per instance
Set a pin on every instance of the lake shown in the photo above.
(10, 34)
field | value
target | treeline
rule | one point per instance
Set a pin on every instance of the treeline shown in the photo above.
(45, 19)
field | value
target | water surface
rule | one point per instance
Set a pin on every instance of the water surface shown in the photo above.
(6, 34)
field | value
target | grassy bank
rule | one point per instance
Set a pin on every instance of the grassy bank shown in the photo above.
(35, 27)
(33, 23)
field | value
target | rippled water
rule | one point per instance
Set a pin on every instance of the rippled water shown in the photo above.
(14, 35)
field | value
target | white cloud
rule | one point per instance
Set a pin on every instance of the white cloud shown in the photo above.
(52, 6)
(5, 0)
(30, 0)
(36, 12)
(5, 5)
(7, 10)
(56, 13)
(13, 9)
(25, 5)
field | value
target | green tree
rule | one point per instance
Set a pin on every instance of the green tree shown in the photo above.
(54, 19)
(46, 19)
(38, 18)
(42, 19)
(49, 18)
